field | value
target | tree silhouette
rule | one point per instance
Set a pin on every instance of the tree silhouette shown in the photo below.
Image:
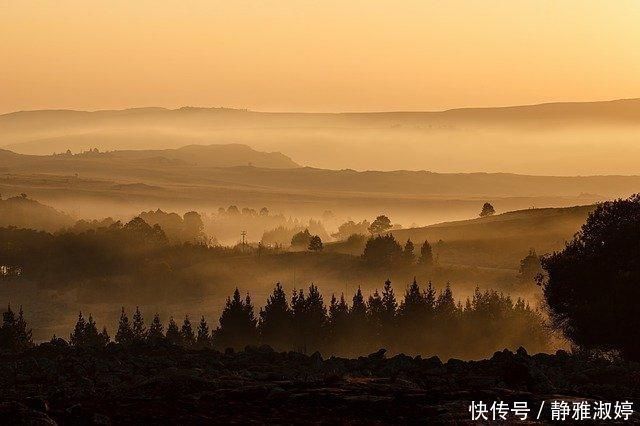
(237, 324)
(301, 239)
(309, 318)
(338, 324)
(376, 316)
(203, 338)
(408, 253)
(173, 333)
(426, 254)
(124, 335)
(104, 337)
(381, 224)
(275, 326)
(358, 323)
(155, 334)
(14, 334)
(382, 250)
(315, 243)
(487, 210)
(592, 286)
(139, 330)
(77, 337)
(530, 267)
(186, 332)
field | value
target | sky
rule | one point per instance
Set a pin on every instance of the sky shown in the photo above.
(310, 55)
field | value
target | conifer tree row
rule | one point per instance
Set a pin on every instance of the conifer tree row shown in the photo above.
(425, 321)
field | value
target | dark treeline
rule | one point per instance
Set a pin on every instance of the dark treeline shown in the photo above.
(423, 322)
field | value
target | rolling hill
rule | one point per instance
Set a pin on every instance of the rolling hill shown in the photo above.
(557, 138)
(500, 241)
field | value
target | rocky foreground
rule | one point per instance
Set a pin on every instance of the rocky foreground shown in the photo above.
(168, 385)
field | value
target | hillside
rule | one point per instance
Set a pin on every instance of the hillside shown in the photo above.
(502, 240)
(442, 141)
(126, 182)
(228, 155)
(22, 212)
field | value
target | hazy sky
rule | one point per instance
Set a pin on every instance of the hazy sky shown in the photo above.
(315, 55)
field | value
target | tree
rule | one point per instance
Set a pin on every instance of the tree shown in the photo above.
(104, 337)
(408, 253)
(350, 228)
(173, 333)
(592, 289)
(309, 319)
(155, 334)
(264, 211)
(186, 332)
(530, 267)
(237, 324)
(124, 335)
(382, 250)
(487, 210)
(14, 334)
(338, 324)
(139, 330)
(193, 228)
(275, 321)
(315, 244)
(77, 338)
(301, 239)
(426, 254)
(381, 224)
(376, 315)
(203, 338)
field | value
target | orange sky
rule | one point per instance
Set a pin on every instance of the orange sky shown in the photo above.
(315, 55)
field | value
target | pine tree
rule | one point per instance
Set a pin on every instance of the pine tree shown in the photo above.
(203, 339)
(124, 335)
(408, 253)
(275, 321)
(316, 317)
(237, 324)
(358, 308)
(104, 337)
(173, 333)
(24, 333)
(376, 317)
(430, 298)
(446, 305)
(7, 331)
(155, 334)
(338, 311)
(139, 330)
(337, 324)
(389, 302)
(14, 334)
(91, 336)
(77, 338)
(426, 254)
(188, 336)
(414, 303)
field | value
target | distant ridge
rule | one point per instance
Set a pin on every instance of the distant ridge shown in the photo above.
(226, 155)
(542, 105)
(463, 139)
